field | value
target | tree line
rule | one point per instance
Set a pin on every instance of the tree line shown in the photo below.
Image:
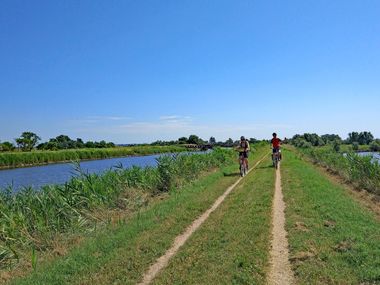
(29, 141)
(194, 139)
(354, 138)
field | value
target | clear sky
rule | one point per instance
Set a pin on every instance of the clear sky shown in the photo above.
(139, 71)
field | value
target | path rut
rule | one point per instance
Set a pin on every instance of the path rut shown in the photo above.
(280, 270)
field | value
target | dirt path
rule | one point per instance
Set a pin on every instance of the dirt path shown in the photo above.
(181, 239)
(280, 271)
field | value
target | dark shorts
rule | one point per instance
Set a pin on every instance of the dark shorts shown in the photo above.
(244, 154)
(275, 149)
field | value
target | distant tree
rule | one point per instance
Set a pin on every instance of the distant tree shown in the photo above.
(253, 140)
(212, 140)
(314, 139)
(375, 145)
(353, 137)
(365, 138)
(110, 145)
(182, 140)
(102, 144)
(336, 145)
(79, 143)
(329, 138)
(193, 139)
(90, 144)
(355, 146)
(27, 141)
(229, 142)
(7, 146)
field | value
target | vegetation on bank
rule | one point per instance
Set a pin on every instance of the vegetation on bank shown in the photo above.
(20, 159)
(361, 171)
(340, 156)
(124, 250)
(31, 219)
(332, 238)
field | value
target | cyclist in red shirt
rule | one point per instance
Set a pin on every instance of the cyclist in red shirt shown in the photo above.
(276, 144)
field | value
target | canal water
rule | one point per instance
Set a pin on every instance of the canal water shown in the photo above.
(375, 155)
(60, 173)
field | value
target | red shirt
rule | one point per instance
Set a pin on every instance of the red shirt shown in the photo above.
(276, 142)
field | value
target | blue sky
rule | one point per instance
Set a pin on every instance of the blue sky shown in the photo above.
(139, 71)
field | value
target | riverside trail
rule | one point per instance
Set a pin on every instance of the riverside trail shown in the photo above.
(181, 239)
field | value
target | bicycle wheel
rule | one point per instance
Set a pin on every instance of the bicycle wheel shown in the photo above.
(242, 170)
(276, 162)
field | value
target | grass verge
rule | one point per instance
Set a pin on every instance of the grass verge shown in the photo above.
(120, 254)
(332, 238)
(232, 246)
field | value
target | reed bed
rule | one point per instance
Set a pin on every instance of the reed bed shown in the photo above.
(361, 171)
(20, 159)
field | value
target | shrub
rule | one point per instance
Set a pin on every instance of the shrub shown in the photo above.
(355, 146)
(375, 145)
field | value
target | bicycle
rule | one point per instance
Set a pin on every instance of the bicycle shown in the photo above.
(243, 167)
(275, 159)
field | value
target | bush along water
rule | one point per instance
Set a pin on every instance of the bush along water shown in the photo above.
(30, 219)
(361, 171)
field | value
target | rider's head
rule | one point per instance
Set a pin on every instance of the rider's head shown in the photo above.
(242, 138)
(274, 135)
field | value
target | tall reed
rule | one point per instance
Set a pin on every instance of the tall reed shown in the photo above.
(362, 171)
(19, 159)
(30, 218)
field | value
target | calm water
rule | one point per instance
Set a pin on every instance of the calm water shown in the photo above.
(60, 173)
(375, 155)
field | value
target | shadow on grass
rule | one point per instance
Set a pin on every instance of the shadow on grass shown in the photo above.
(231, 174)
(265, 167)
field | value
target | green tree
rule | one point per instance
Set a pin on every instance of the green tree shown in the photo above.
(182, 140)
(365, 138)
(90, 144)
(355, 146)
(375, 145)
(7, 146)
(328, 138)
(27, 141)
(79, 143)
(336, 145)
(194, 139)
(353, 137)
(212, 140)
(229, 142)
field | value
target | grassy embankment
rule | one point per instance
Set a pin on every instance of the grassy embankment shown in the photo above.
(232, 247)
(332, 238)
(22, 159)
(361, 171)
(121, 252)
(31, 219)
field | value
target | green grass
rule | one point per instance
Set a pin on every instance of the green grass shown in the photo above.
(333, 240)
(232, 246)
(22, 159)
(120, 254)
(31, 219)
(361, 171)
